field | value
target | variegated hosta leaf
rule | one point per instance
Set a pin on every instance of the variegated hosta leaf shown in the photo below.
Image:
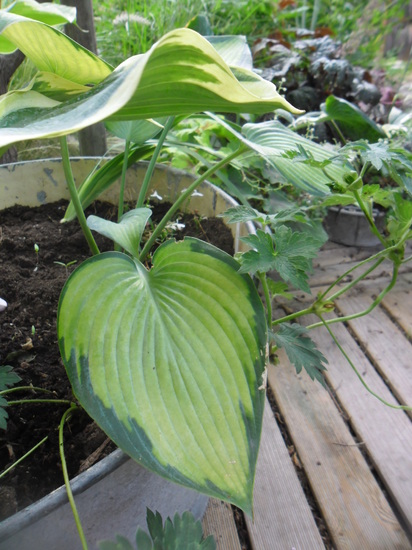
(50, 50)
(169, 362)
(181, 74)
(47, 12)
(272, 141)
(233, 49)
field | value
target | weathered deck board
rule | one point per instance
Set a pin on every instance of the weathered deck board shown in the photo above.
(218, 521)
(326, 275)
(386, 433)
(333, 255)
(283, 519)
(387, 346)
(399, 304)
(355, 509)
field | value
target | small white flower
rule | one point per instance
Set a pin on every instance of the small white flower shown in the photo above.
(197, 194)
(176, 226)
(3, 304)
(155, 195)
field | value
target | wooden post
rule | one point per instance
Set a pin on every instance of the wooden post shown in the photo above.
(8, 66)
(92, 140)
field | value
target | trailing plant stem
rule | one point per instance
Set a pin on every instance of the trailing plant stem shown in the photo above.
(382, 254)
(149, 172)
(358, 374)
(368, 216)
(24, 456)
(293, 316)
(355, 281)
(375, 303)
(185, 196)
(25, 388)
(65, 416)
(23, 401)
(75, 196)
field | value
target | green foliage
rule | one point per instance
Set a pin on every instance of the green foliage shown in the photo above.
(352, 122)
(127, 233)
(245, 213)
(288, 252)
(400, 219)
(130, 91)
(101, 178)
(183, 533)
(7, 379)
(389, 160)
(301, 350)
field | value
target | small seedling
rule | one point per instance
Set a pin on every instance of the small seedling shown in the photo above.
(36, 251)
(66, 266)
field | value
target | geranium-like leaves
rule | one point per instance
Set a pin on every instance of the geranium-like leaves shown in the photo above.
(169, 362)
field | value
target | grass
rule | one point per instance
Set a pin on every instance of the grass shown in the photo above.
(130, 27)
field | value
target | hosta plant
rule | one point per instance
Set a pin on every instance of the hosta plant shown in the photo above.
(168, 359)
(167, 351)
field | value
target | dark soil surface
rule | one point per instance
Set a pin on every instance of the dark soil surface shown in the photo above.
(31, 283)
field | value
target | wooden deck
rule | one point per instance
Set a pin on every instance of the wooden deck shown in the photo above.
(335, 467)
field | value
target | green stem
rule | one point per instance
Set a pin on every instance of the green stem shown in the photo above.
(342, 137)
(369, 217)
(366, 311)
(185, 196)
(355, 281)
(266, 293)
(25, 388)
(24, 401)
(380, 254)
(358, 374)
(293, 316)
(123, 179)
(231, 188)
(75, 196)
(66, 476)
(7, 470)
(406, 260)
(149, 172)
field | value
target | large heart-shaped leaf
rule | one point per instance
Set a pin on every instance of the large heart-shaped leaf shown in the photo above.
(169, 362)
